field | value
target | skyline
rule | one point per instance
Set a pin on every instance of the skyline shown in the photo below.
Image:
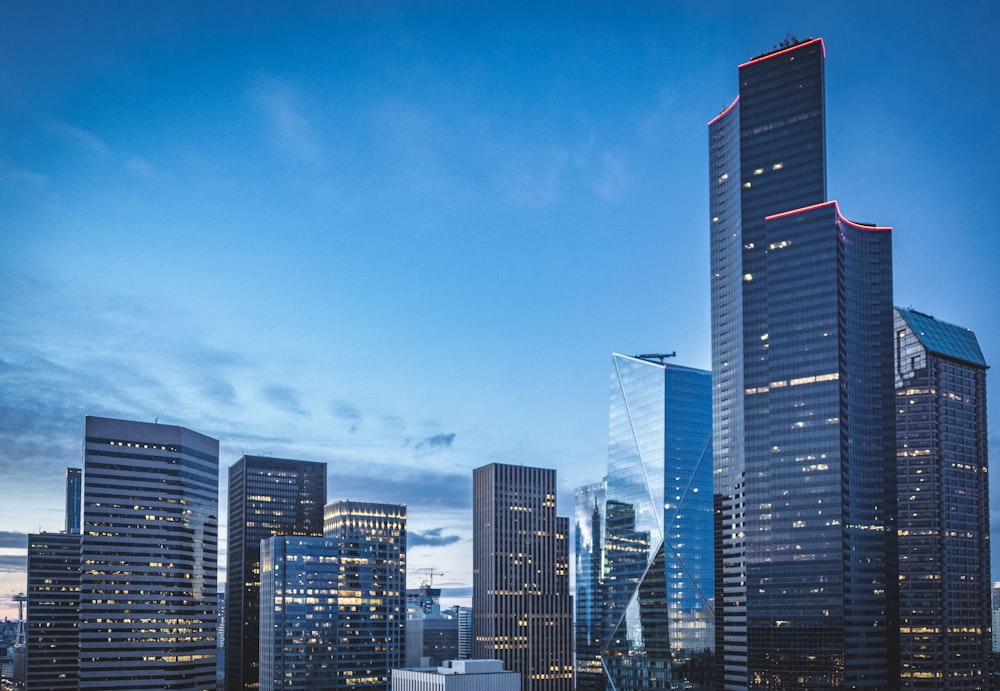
(406, 240)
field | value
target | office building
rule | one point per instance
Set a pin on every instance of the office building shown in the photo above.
(588, 550)
(306, 592)
(371, 539)
(649, 546)
(457, 675)
(74, 494)
(53, 611)
(464, 615)
(996, 617)
(521, 604)
(267, 497)
(149, 555)
(944, 517)
(804, 432)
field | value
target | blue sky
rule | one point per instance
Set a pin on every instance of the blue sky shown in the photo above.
(405, 238)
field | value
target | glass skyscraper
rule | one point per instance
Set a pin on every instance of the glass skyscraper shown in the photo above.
(149, 553)
(589, 552)
(53, 643)
(803, 437)
(267, 496)
(944, 517)
(657, 575)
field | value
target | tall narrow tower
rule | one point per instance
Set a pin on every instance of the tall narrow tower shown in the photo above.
(944, 516)
(521, 603)
(267, 497)
(149, 554)
(803, 430)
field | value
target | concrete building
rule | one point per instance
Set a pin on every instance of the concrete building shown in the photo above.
(521, 604)
(457, 675)
(149, 554)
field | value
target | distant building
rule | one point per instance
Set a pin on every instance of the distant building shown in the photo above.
(372, 633)
(74, 494)
(590, 619)
(996, 617)
(464, 615)
(944, 516)
(267, 497)
(431, 634)
(457, 675)
(521, 603)
(53, 652)
(149, 554)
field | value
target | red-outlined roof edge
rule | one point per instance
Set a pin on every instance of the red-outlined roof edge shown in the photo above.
(836, 207)
(767, 56)
(724, 111)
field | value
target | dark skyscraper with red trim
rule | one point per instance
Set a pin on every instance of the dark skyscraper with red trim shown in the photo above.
(803, 425)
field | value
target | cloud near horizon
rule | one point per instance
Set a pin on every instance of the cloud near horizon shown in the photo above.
(430, 538)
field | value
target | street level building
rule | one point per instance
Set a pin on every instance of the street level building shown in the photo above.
(521, 603)
(267, 497)
(944, 517)
(149, 553)
(457, 675)
(804, 431)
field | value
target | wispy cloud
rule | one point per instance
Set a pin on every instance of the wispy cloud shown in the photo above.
(435, 443)
(13, 563)
(291, 130)
(430, 538)
(284, 397)
(347, 412)
(139, 167)
(423, 487)
(80, 137)
(612, 179)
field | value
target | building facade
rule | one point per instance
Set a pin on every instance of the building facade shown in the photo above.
(457, 675)
(371, 538)
(589, 602)
(521, 603)
(149, 554)
(803, 439)
(944, 524)
(302, 598)
(267, 497)
(658, 576)
(53, 644)
(74, 495)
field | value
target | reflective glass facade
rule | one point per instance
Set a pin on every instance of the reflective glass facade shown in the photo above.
(943, 493)
(149, 555)
(267, 497)
(302, 594)
(589, 543)
(658, 590)
(804, 432)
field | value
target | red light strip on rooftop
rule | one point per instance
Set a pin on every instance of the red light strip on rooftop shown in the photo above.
(781, 52)
(727, 109)
(836, 208)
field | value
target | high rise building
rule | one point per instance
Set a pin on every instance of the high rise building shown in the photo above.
(371, 538)
(53, 651)
(521, 603)
(464, 615)
(457, 675)
(74, 493)
(804, 432)
(267, 497)
(647, 562)
(944, 517)
(589, 602)
(304, 594)
(149, 557)
(996, 617)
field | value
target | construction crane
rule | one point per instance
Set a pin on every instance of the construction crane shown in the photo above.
(431, 573)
